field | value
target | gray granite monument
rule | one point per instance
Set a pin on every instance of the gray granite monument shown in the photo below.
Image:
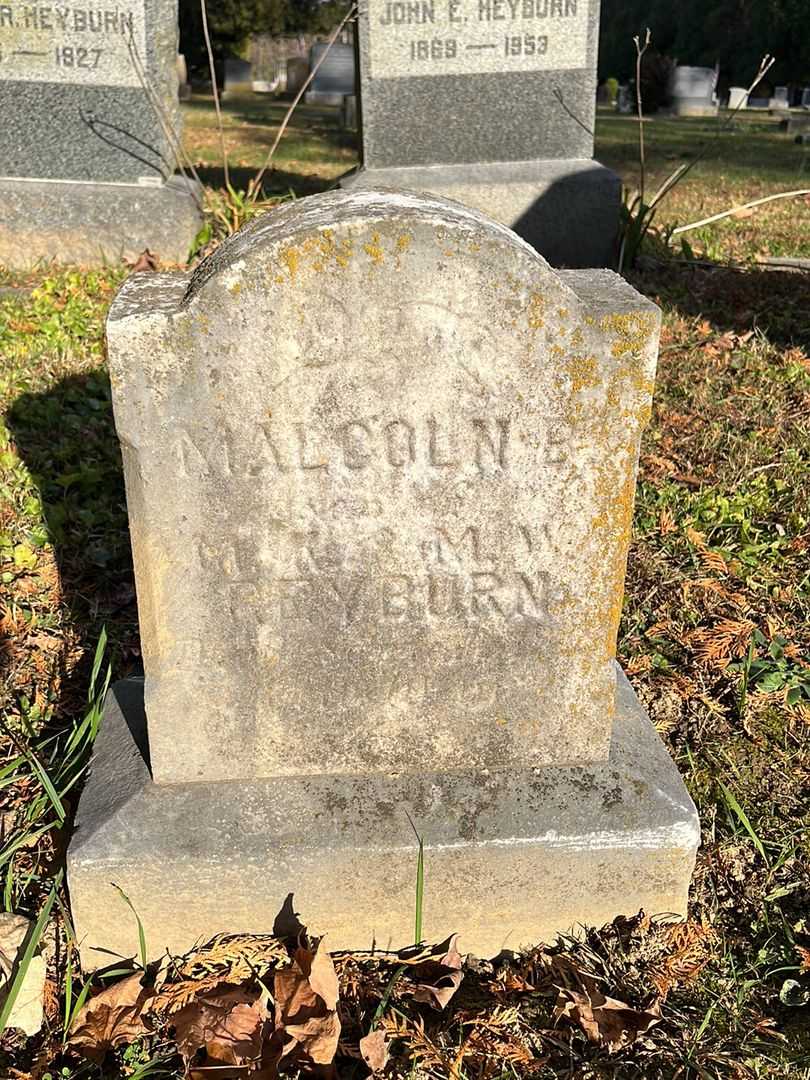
(380, 463)
(491, 102)
(88, 96)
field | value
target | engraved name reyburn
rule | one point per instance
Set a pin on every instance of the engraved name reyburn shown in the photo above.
(355, 445)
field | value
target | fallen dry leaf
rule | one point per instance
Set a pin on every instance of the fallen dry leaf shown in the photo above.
(145, 261)
(438, 979)
(305, 999)
(606, 1021)
(27, 1010)
(320, 971)
(229, 1023)
(111, 1018)
(374, 1050)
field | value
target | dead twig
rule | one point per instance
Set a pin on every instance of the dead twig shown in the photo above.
(212, 68)
(738, 209)
(256, 182)
(640, 50)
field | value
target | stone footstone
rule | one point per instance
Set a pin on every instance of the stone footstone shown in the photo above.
(96, 223)
(512, 856)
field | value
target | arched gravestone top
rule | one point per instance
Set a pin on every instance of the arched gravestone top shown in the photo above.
(380, 462)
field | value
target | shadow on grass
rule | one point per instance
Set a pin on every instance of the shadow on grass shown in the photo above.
(67, 439)
(276, 181)
(772, 301)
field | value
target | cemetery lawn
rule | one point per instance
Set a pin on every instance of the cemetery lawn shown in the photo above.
(312, 153)
(752, 160)
(715, 638)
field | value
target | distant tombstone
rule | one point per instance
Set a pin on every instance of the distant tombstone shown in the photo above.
(780, 101)
(737, 97)
(491, 103)
(380, 462)
(625, 100)
(238, 76)
(183, 84)
(693, 91)
(805, 98)
(86, 96)
(348, 112)
(335, 76)
(297, 72)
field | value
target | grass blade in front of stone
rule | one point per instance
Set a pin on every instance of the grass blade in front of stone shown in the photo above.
(32, 944)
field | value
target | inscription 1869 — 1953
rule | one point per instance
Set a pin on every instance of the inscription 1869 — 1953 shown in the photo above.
(97, 42)
(411, 38)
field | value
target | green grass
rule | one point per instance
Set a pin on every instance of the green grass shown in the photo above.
(312, 154)
(752, 159)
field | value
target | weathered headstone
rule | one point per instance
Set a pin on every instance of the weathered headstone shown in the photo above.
(335, 75)
(493, 103)
(380, 465)
(693, 90)
(737, 97)
(88, 97)
(238, 76)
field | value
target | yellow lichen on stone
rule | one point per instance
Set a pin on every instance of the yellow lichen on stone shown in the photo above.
(235, 289)
(374, 249)
(291, 258)
(403, 243)
(584, 373)
(632, 330)
(537, 307)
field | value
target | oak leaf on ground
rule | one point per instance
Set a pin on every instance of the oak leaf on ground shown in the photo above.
(305, 995)
(438, 979)
(228, 1022)
(374, 1050)
(605, 1020)
(114, 1017)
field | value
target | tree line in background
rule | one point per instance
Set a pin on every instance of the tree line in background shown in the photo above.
(734, 33)
(232, 22)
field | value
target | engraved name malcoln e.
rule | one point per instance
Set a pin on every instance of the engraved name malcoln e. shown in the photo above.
(354, 445)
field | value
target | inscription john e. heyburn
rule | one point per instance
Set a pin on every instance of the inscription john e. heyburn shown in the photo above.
(412, 38)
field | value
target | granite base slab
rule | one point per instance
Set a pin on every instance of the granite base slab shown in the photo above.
(94, 224)
(568, 209)
(510, 857)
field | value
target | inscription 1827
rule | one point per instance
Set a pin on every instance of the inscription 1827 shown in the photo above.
(97, 42)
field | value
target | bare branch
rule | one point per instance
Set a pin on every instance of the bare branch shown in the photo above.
(640, 50)
(182, 159)
(737, 209)
(212, 68)
(256, 182)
